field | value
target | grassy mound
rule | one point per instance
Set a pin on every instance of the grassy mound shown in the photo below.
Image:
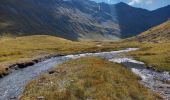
(88, 78)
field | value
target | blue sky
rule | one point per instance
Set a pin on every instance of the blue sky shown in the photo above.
(147, 4)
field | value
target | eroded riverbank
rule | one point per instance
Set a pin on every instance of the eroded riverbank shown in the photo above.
(13, 85)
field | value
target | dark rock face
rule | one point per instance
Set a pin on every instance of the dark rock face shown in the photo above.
(74, 19)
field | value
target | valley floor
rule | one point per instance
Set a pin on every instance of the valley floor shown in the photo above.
(25, 49)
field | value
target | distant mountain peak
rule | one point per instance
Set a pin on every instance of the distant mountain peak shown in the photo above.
(122, 4)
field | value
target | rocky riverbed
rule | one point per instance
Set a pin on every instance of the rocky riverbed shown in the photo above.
(156, 81)
(13, 85)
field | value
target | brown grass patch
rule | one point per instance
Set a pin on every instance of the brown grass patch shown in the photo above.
(88, 78)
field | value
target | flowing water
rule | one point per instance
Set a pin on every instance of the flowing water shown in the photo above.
(12, 86)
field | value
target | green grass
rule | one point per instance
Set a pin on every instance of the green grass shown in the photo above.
(88, 78)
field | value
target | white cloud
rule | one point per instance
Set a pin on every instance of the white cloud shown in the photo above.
(133, 2)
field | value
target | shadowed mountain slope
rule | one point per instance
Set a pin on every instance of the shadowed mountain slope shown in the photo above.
(76, 19)
(160, 33)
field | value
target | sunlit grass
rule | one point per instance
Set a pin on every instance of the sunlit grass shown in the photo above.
(155, 55)
(23, 49)
(88, 78)
(155, 47)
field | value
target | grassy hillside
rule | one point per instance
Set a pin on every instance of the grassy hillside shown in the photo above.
(155, 47)
(88, 78)
(160, 33)
(156, 55)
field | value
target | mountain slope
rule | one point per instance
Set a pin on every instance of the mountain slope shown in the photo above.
(154, 47)
(160, 33)
(59, 18)
(160, 15)
(76, 19)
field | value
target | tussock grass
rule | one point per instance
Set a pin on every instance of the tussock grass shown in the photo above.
(160, 33)
(88, 78)
(22, 49)
(155, 55)
(155, 47)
